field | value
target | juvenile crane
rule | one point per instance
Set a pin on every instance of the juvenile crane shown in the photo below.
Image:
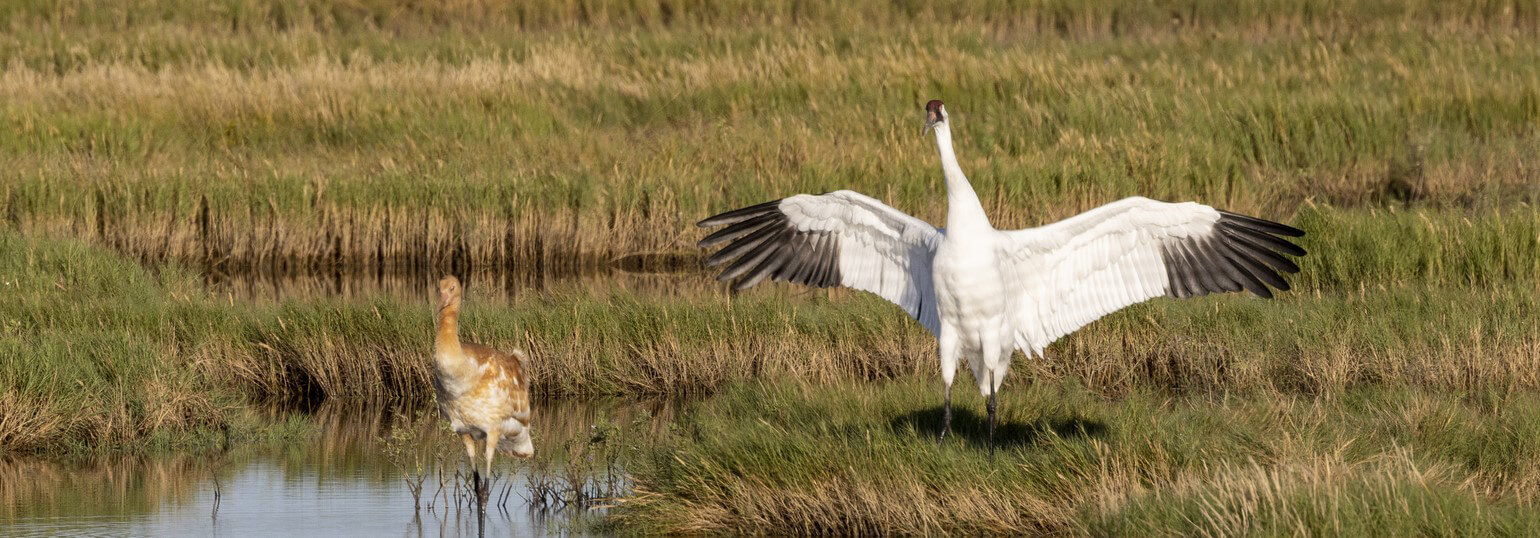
(985, 293)
(483, 392)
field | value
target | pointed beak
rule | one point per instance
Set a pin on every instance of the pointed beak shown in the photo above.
(931, 119)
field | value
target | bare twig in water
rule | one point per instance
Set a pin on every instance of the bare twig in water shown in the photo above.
(589, 475)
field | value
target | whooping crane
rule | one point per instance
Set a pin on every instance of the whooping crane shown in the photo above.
(985, 293)
(483, 392)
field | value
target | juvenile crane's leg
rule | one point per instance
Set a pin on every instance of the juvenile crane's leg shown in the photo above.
(470, 451)
(948, 349)
(492, 439)
(470, 448)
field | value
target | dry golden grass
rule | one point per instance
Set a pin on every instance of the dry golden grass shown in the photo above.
(1324, 494)
(900, 506)
(29, 420)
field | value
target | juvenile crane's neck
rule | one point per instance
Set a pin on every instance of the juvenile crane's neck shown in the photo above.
(446, 343)
(964, 212)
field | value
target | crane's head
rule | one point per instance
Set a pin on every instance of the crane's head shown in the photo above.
(935, 113)
(448, 291)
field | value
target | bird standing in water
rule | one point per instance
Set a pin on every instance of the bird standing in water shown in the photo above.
(483, 392)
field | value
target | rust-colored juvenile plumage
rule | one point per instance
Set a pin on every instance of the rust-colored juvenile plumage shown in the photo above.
(483, 392)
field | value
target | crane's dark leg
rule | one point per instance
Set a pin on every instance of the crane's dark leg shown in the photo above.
(949, 347)
(481, 518)
(991, 416)
(946, 414)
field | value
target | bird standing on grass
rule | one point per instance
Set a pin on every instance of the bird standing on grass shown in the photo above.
(984, 292)
(483, 392)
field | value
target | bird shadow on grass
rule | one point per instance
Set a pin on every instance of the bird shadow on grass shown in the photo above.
(973, 427)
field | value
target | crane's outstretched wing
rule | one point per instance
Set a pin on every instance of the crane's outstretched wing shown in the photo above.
(842, 238)
(1069, 273)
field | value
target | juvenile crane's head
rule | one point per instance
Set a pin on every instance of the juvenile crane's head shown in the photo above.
(449, 292)
(935, 113)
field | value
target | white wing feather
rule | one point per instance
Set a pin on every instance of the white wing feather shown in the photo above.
(1072, 272)
(876, 249)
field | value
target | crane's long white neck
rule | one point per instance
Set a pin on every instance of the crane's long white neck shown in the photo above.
(964, 212)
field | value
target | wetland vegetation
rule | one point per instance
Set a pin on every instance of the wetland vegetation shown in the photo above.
(164, 156)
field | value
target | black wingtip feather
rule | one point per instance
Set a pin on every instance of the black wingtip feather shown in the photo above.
(1254, 267)
(1246, 244)
(751, 259)
(771, 263)
(739, 214)
(1239, 253)
(1188, 268)
(1175, 274)
(808, 262)
(1270, 241)
(761, 243)
(1263, 224)
(1220, 276)
(743, 245)
(737, 229)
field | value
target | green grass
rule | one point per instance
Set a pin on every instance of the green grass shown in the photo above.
(863, 458)
(253, 132)
(80, 369)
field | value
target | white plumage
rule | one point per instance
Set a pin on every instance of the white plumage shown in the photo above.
(985, 292)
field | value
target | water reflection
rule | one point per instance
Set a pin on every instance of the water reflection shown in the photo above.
(337, 481)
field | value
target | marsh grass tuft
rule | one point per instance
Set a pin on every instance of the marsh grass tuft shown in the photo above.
(863, 458)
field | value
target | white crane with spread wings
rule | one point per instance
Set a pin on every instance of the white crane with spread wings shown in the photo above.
(985, 292)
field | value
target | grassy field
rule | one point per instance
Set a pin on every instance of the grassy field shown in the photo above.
(863, 459)
(152, 147)
(312, 134)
